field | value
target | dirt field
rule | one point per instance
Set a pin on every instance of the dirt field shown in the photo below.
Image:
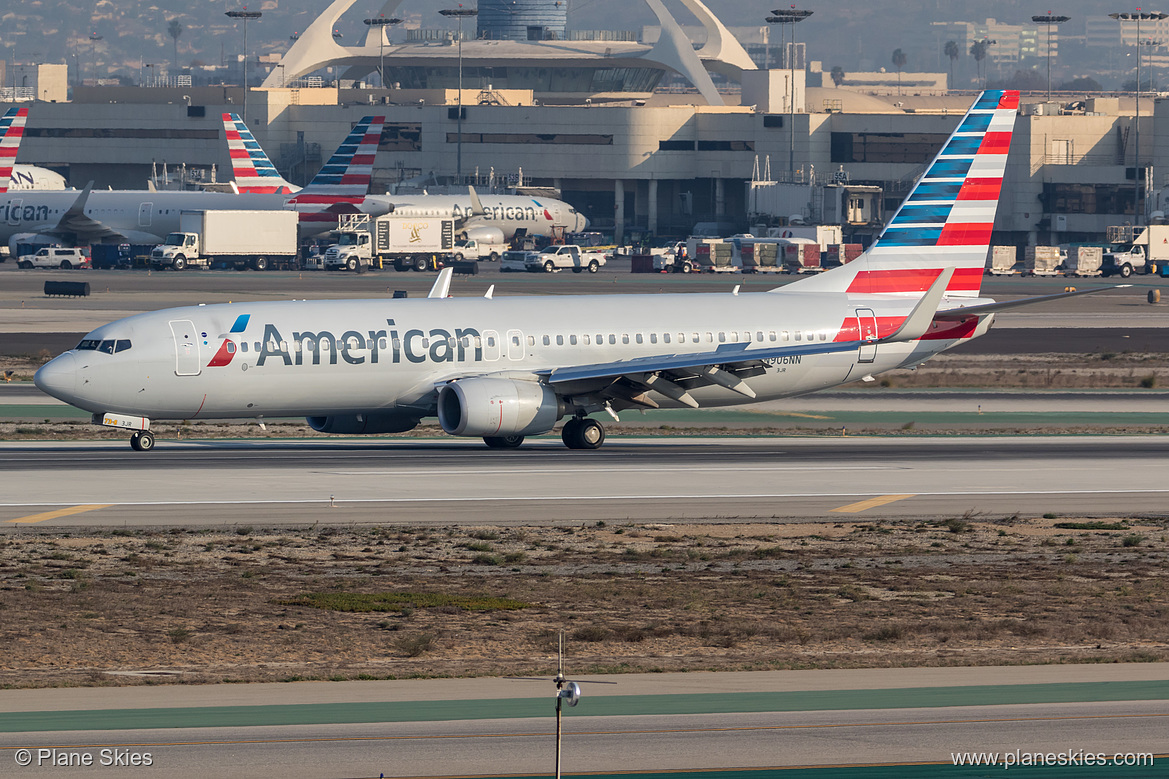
(250, 604)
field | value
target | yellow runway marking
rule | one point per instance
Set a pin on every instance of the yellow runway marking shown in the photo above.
(871, 503)
(34, 518)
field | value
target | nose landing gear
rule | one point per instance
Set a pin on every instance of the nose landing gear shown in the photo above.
(142, 441)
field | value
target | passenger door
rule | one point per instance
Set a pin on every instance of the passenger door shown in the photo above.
(867, 332)
(187, 361)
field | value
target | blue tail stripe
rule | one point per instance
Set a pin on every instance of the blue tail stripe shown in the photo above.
(963, 145)
(949, 169)
(911, 236)
(923, 214)
(988, 100)
(936, 190)
(975, 123)
(241, 322)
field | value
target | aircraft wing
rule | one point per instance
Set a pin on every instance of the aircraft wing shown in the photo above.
(75, 222)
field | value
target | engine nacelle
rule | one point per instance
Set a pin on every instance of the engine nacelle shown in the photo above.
(485, 234)
(364, 424)
(497, 407)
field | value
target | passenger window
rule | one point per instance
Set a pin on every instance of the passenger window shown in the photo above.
(797, 335)
(231, 347)
(771, 335)
(653, 338)
(639, 338)
(547, 341)
(257, 346)
(759, 336)
(572, 340)
(612, 338)
(588, 340)
(122, 346)
(746, 338)
(823, 335)
(425, 343)
(784, 335)
(478, 342)
(694, 337)
(531, 341)
(107, 347)
(490, 341)
(710, 338)
(560, 340)
(625, 338)
(665, 338)
(722, 338)
(243, 347)
(284, 346)
(397, 343)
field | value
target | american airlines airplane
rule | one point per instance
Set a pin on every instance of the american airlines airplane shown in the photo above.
(84, 217)
(490, 218)
(16, 176)
(506, 368)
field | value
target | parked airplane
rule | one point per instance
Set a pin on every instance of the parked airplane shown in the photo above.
(12, 174)
(493, 218)
(507, 368)
(144, 216)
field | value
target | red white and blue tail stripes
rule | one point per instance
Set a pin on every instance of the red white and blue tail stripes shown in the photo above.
(946, 221)
(346, 176)
(253, 171)
(11, 132)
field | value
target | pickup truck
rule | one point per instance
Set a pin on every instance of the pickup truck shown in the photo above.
(554, 258)
(54, 257)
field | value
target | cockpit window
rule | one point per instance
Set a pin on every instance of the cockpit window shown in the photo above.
(122, 345)
(106, 346)
(89, 344)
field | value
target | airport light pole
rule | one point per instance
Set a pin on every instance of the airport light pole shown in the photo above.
(459, 13)
(1049, 19)
(93, 39)
(1126, 16)
(790, 16)
(380, 22)
(245, 14)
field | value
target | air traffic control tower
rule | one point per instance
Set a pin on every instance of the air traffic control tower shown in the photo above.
(523, 20)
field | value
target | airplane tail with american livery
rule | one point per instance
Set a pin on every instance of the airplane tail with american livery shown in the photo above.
(503, 368)
(11, 132)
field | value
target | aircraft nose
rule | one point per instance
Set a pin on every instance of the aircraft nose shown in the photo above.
(583, 222)
(58, 377)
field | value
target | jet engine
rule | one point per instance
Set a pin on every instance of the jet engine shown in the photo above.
(364, 424)
(497, 407)
(485, 234)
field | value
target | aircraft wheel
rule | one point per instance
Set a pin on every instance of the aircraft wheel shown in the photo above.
(503, 441)
(180, 262)
(594, 266)
(570, 433)
(142, 441)
(592, 434)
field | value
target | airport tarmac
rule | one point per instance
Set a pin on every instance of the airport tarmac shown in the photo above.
(847, 722)
(652, 479)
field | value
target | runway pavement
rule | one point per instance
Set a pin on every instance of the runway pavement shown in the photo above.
(694, 479)
(845, 722)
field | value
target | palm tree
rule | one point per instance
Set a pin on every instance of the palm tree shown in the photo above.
(978, 51)
(174, 30)
(837, 75)
(899, 60)
(952, 51)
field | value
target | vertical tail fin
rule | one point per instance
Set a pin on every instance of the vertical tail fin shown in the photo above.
(947, 219)
(11, 132)
(346, 176)
(253, 171)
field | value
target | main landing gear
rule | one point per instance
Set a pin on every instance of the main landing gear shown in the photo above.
(503, 441)
(142, 441)
(583, 433)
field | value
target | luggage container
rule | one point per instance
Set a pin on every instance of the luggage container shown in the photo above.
(1084, 261)
(1041, 260)
(802, 256)
(1001, 261)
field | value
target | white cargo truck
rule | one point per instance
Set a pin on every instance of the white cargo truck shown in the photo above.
(481, 243)
(244, 239)
(555, 258)
(1135, 250)
(420, 243)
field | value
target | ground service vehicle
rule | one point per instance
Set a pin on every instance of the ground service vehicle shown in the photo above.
(419, 243)
(1135, 249)
(554, 258)
(479, 249)
(245, 239)
(54, 257)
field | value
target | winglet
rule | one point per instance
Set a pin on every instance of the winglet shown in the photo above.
(921, 317)
(490, 292)
(78, 206)
(476, 204)
(442, 285)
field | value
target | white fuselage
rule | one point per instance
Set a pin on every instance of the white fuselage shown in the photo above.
(319, 358)
(508, 213)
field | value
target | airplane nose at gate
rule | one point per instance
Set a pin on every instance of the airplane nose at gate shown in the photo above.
(58, 377)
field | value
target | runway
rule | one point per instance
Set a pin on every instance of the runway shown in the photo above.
(661, 479)
(842, 722)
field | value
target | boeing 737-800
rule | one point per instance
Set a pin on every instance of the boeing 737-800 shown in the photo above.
(490, 218)
(502, 369)
(85, 217)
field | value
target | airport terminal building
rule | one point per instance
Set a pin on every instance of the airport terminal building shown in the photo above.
(585, 117)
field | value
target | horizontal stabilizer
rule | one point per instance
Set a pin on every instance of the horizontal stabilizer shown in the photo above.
(991, 308)
(918, 322)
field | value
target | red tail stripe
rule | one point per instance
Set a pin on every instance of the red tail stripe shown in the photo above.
(980, 189)
(14, 132)
(995, 143)
(913, 280)
(362, 159)
(941, 330)
(1010, 99)
(239, 154)
(329, 199)
(8, 151)
(960, 234)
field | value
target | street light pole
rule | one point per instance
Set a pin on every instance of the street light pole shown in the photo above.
(459, 13)
(380, 22)
(245, 14)
(1138, 175)
(93, 39)
(790, 16)
(1049, 20)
